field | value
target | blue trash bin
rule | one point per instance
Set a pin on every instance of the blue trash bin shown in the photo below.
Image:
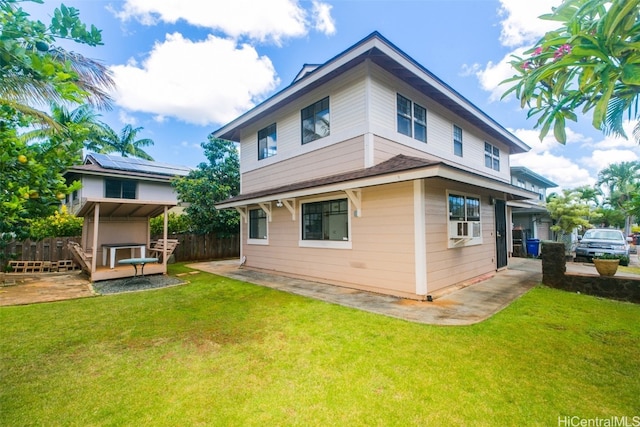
(533, 247)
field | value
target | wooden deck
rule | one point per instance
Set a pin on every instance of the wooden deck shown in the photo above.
(121, 271)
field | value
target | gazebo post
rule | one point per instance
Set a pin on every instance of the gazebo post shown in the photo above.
(94, 248)
(164, 236)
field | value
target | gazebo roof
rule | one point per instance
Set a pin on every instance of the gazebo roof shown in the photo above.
(124, 207)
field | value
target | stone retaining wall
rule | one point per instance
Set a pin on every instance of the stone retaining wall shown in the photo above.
(554, 275)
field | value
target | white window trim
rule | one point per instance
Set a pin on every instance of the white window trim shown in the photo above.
(412, 120)
(454, 242)
(493, 156)
(251, 241)
(325, 244)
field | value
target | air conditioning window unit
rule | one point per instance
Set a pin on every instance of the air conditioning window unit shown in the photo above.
(459, 229)
(464, 229)
(476, 229)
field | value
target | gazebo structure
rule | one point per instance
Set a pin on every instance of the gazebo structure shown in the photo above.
(119, 196)
(114, 230)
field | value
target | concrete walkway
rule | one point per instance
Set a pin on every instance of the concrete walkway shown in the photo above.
(465, 306)
(17, 289)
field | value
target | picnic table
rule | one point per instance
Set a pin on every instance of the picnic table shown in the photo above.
(113, 247)
(137, 262)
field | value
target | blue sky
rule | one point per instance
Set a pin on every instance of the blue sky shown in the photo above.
(185, 68)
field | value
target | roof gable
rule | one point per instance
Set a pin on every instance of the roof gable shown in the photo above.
(386, 55)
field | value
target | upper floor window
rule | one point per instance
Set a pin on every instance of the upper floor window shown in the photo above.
(267, 142)
(315, 121)
(326, 220)
(257, 224)
(521, 183)
(457, 140)
(491, 156)
(120, 189)
(412, 119)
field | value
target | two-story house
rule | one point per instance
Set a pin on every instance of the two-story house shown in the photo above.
(370, 172)
(118, 196)
(531, 219)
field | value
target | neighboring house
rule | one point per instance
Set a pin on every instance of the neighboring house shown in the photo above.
(118, 197)
(530, 218)
(371, 173)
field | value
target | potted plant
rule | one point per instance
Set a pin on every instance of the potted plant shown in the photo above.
(607, 264)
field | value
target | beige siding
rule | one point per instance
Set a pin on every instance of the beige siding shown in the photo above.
(440, 121)
(344, 157)
(347, 113)
(115, 230)
(447, 267)
(381, 258)
(386, 149)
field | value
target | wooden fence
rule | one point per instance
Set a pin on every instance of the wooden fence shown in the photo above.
(192, 247)
(203, 247)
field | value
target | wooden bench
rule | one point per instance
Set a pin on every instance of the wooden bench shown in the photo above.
(83, 258)
(137, 262)
(158, 247)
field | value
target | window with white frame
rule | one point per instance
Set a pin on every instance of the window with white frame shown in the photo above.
(267, 142)
(257, 224)
(457, 140)
(315, 121)
(412, 119)
(491, 156)
(326, 220)
(464, 217)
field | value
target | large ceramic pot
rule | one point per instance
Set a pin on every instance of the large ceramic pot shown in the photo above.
(606, 267)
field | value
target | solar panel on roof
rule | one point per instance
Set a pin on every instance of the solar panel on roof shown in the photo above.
(138, 165)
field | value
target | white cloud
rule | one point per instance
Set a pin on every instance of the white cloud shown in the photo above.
(203, 82)
(559, 169)
(126, 118)
(494, 73)
(521, 25)
(546, 158)
(601, 159)
(270, 20)
(323, 21)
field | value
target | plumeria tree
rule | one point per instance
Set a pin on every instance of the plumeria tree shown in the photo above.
(590, 64)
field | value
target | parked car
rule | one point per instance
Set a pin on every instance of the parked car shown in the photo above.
(600, 241)
(633, 246)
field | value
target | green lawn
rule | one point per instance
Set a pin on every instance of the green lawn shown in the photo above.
(223, 352)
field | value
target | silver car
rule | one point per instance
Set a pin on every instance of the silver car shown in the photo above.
(600, 241)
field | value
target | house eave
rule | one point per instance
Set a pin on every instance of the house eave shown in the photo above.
(386, 55)
(439, 170)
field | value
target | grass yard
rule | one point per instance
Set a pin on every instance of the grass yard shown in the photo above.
(223, 352)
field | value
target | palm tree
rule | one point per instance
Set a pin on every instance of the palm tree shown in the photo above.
(78, 125)
(33, 72)
(126, 143)
(621, 181)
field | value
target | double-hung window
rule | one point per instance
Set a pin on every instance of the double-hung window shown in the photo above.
(257, 226)
(412, 119)
(267, 142)
(457, 140)
(491, 156)
(315, 121)
(464, 219)
(326, 220)
(120, 189)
